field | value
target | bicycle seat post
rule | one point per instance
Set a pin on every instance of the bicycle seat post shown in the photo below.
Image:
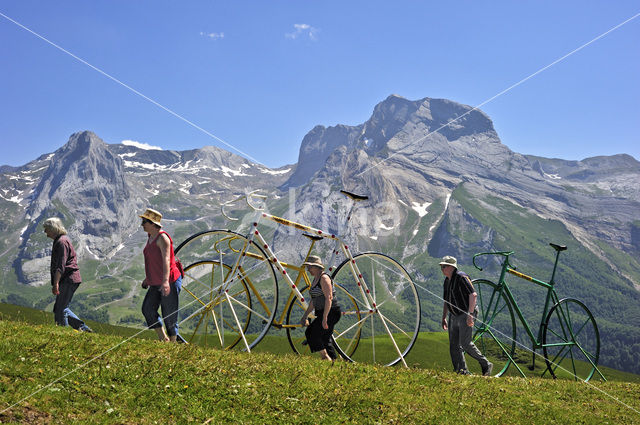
(559, 249)
(503, 269)
(354, 198)
(353, 204)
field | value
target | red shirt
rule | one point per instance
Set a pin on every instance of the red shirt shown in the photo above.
(153, 262)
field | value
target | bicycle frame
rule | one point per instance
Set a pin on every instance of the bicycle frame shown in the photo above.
(502, 287)
(302, 275)
(281, 267)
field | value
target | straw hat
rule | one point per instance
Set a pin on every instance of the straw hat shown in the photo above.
(153, 216)
(314, 260)
(448, 260)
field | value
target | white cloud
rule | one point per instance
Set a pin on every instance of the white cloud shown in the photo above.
(140, 145)
(303, 30)
(212, 35)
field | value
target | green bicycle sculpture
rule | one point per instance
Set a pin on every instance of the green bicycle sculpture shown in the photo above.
(567, 334)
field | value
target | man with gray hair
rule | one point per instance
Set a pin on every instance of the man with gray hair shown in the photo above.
(65, 274)
(460, 304)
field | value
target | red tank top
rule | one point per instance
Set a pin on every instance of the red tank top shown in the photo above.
(153, 262)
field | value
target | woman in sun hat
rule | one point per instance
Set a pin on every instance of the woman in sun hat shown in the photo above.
(163, 278)
(327, 310)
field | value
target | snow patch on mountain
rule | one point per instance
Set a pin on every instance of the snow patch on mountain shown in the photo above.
(384, 227)
(228, 172)
(152, 166)
(421, 209)
(15, 198)
(275, 172)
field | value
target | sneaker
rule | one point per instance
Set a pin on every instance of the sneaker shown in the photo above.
(486, 371)
(86, 328)
(463, 372)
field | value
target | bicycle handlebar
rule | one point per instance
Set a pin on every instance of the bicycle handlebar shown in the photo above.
(256, 195)
(248, 198)
(503, 253)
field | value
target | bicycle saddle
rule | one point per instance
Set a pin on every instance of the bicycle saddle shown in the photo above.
(312, 237)
(558, 247)
(354, 196)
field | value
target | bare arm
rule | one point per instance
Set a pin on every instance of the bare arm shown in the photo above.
(164, 245)
(327, 290)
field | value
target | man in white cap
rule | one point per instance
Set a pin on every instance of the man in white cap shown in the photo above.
(460, 304)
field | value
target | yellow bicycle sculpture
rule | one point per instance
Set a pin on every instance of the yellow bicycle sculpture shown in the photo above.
(230, 293)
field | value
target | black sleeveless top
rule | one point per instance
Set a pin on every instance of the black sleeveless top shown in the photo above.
(317, 296)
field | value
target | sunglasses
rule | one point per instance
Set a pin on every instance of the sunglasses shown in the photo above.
(144, 220)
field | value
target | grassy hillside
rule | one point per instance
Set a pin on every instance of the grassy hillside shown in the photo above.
(431, 350)
(67, 377)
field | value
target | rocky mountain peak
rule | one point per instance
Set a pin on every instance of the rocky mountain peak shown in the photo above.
(85, 185)
(82, 143)
(79, 168)
(437, 126)
(397, 115)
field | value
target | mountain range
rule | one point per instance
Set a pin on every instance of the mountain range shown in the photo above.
(439, 180)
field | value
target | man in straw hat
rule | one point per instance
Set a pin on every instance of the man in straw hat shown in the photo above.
(327, 310)
(460, 304)
(163, 278)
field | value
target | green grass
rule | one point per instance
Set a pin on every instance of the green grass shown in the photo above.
(431, 350)
(55, 375)
(9, 312)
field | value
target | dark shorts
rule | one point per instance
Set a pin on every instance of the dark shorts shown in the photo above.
(319, 338)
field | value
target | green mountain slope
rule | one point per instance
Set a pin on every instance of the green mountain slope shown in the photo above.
(581, 274)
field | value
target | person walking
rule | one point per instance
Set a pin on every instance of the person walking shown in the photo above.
(327, 310)
(460, 305)
(163, 279)
(65, 274)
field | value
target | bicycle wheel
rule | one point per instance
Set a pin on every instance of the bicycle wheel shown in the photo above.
(495, 327)
(571, 341)
(203, 309)
(387, 318)
(342, 331)
(218, 307)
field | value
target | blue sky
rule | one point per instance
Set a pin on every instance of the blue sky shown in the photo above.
(260, 74)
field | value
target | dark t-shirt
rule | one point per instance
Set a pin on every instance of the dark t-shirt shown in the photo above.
(456, 292)
(63, 259)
